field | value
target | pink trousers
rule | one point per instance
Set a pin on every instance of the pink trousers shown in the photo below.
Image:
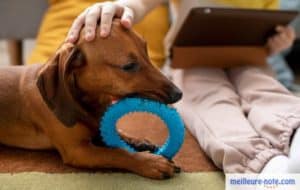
(241, 117)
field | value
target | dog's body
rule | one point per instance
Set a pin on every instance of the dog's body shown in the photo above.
(21, 107)
(59, 104)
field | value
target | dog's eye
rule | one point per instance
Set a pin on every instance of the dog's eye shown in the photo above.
(131, 67)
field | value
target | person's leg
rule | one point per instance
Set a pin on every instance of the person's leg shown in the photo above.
(272, 110)
(212, 112)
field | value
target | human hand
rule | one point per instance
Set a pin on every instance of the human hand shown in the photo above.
(90, 16)
(282, 40)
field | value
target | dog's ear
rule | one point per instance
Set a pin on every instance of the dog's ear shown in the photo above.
(54, 82)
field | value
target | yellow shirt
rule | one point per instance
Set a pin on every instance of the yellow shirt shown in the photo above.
(61, 13)
(255, 4)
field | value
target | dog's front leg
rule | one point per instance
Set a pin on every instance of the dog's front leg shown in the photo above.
(145, 164)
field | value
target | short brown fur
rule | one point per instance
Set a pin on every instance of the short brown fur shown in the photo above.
(58, 105)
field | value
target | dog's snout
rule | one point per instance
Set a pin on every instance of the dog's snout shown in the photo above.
(174, 95)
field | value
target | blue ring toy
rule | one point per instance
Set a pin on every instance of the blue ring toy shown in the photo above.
(167, 114)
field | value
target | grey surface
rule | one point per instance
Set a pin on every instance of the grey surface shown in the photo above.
(20, 19)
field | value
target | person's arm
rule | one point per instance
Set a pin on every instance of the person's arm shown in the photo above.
(129, 11)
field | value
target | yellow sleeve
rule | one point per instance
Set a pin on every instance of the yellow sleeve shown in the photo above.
(255, 4)
(272, 4)
(60, 15)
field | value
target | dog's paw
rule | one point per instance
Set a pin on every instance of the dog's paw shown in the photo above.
(154, 166)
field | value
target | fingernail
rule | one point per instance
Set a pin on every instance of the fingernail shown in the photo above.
(126, 23)
(103, 33)
(88, 35)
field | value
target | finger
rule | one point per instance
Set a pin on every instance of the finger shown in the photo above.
(277, 42)
(107, 14)
(279, 45)
(291, 33)
(91, 19)
(284, 38)
(74, 31)
(288, 30)
(119, 10)
(127, 18)
(285, 41)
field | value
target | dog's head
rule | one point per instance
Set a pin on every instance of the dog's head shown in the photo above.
(83, 79)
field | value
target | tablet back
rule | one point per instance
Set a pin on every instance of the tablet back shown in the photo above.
(226, 27)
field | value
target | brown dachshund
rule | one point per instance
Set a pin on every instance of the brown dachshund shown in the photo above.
(59, 104)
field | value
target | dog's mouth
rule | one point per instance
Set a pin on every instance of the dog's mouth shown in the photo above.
(151, 96)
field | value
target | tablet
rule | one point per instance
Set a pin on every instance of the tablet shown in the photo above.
(228, 26)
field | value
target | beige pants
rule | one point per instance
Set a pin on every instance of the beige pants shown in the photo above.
(241, 117)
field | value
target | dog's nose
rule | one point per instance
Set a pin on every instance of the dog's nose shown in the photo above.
(174, 95)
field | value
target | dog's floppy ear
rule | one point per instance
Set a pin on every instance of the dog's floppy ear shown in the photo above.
(54, 85)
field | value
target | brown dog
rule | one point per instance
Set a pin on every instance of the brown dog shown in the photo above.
(58, 105)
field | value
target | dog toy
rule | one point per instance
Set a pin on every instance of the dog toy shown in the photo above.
(167, 114)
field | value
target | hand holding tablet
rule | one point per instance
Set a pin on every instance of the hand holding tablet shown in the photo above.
(222, 37)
